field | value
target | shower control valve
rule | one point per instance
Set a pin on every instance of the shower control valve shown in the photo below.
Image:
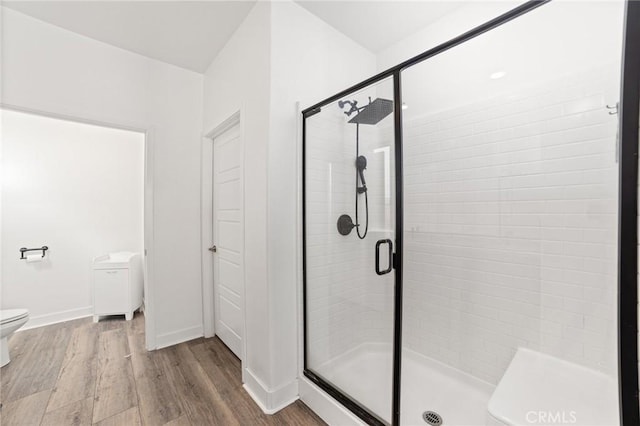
(345, 224)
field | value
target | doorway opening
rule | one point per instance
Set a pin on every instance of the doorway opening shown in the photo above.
(82, 189)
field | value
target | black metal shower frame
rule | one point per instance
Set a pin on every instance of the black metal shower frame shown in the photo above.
(627, 214)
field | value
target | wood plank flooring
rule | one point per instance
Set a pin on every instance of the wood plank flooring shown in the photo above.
(81, 373)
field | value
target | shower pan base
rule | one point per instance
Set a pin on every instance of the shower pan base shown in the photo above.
(427, 385)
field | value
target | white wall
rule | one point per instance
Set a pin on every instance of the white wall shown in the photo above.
(281, 54)
(310, 61)
(77, 188)
(238, 80)
(459, 21)
(46, 68)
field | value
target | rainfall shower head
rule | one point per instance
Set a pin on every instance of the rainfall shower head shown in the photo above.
(374, 112)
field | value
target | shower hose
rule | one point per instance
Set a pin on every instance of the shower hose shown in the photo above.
(366, 193)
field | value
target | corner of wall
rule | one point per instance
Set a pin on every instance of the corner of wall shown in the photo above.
(303, 49)
(178, 336)
(270, 401)
(279, 55)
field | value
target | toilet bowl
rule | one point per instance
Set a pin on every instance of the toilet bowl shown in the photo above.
(10, 321)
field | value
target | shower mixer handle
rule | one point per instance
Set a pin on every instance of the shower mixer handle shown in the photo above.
(345, 224)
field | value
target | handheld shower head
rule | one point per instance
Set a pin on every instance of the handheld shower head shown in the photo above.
(361, 164)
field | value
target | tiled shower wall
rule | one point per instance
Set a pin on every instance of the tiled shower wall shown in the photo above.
(511, 227)
(334, 290)
(347, 303)
(510, 230)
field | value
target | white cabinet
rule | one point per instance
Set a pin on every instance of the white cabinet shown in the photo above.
(117, 284)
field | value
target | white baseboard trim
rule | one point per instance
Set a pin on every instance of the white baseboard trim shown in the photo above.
(56, 317)
(178, 336)
(329, 410)
(270, 401)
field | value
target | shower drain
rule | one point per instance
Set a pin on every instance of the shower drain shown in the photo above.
(432, 418)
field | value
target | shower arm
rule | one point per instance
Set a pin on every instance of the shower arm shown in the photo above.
(353, 107)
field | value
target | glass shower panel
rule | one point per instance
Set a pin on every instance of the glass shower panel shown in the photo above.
(510, 223)
(349, 215)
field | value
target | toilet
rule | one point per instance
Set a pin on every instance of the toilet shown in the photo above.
(10, 321)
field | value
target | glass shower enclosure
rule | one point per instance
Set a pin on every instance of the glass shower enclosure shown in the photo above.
(460, 229)
(350, 205)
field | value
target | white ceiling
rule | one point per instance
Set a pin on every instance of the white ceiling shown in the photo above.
(378, 24)
(188, 34)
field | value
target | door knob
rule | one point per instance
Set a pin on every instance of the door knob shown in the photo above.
(213, 248)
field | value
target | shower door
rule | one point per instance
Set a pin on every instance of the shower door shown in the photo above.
(349, 247)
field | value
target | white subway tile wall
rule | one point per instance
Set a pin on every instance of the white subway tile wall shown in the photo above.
(510, 230)
(347, 303)
(511, 227)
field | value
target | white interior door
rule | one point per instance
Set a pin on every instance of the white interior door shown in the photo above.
(228, 239)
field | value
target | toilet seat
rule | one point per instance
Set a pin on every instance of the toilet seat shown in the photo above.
(10, 315)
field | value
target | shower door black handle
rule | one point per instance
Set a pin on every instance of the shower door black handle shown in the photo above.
(378, 244)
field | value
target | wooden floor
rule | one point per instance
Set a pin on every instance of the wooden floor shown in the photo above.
(81, 373)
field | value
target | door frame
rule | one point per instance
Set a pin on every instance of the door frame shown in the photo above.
(206, 218)
(148, 204)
